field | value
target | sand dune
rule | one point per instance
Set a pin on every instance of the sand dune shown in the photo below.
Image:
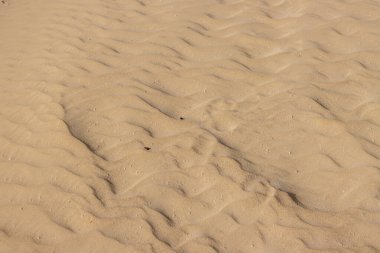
(189, 126)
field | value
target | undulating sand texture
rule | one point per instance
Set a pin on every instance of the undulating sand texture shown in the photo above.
(197, 126)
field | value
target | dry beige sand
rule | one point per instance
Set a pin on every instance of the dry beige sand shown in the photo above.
(197, 126)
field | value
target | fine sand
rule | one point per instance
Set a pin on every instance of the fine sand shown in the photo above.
(197, 126)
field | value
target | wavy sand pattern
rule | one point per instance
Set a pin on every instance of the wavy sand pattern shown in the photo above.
(189, 126)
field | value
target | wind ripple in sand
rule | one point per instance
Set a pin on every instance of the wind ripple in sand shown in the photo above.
(189, 126)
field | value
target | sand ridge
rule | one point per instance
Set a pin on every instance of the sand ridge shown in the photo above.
(189, 126)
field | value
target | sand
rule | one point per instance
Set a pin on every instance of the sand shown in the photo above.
(189, 126)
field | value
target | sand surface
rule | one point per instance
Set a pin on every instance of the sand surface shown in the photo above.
(196, 126)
